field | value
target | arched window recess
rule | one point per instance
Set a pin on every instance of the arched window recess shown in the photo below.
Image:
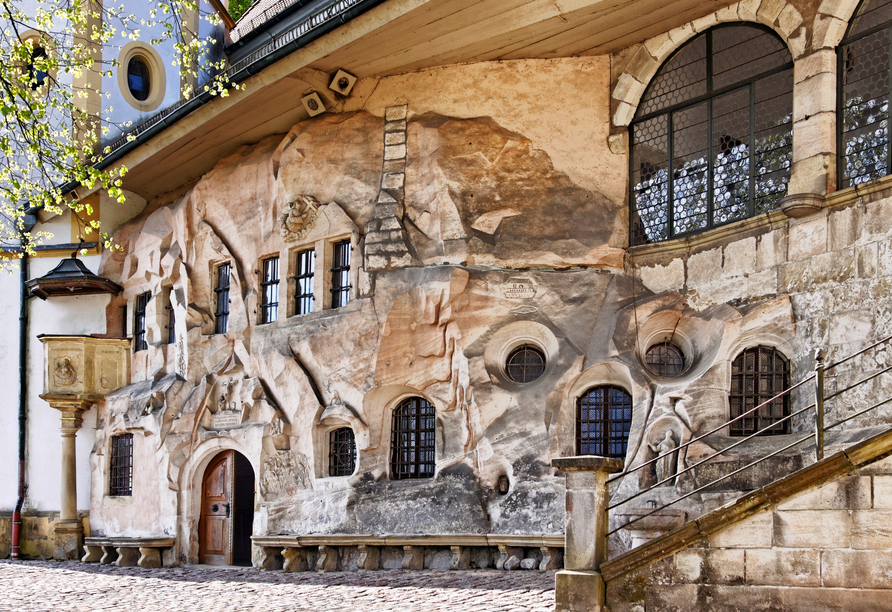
(863, 64)
(711, 142)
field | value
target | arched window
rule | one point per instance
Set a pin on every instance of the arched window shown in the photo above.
(863, 72)
(712, 139)
(757, 375)
(603, 419)
(412, 441)
(341, 452)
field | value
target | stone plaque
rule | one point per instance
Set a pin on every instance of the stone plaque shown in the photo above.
(519, 288)
(226, 419)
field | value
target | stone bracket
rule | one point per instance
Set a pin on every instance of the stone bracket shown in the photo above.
(327, 561)
(413, 557)
(509, 557)
(368, 557)
(461, 558)
(295, 560)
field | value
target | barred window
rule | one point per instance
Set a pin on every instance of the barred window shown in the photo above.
(712, 140)
(303, 296)
(525, 364)
(139, 321)
(340, 274)
(120, 465)
(603, 420)
(341, 452)
(171, 319)
(221, 314)
(412, 439)
(665, 359)
(269, 291)
(863, 72)
(757, 375)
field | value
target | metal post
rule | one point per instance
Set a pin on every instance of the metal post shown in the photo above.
(819, 404)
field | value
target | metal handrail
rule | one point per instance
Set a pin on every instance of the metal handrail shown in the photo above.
(818, 405)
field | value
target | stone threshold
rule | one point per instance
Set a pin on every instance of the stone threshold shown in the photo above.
(835, 466)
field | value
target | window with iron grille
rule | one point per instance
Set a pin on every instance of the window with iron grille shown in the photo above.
(757, 375)
(603, 420)
(525, 364)
(303, 279)
(221, 314)
(712, 140)
(863, 95)
(412, 440)
(665, 359)
(269, 291)
(341, 452)
(139, 321)
(340, 273)
(120, 465)
(171, 319)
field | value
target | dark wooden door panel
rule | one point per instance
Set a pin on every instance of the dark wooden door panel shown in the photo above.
(214, 531)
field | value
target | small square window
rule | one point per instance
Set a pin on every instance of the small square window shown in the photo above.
(139, 321)
(120, 462)
(221, 314)
(269, 291)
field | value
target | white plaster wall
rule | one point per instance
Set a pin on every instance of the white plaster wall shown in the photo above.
(9, 389)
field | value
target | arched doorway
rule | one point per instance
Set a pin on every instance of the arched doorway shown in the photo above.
(227, 511)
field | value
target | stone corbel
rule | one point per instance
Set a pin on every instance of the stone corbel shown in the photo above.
(368, 557)
(295, 560)
(801, 205)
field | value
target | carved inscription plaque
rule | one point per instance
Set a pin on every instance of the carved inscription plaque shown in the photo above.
(518, 288)
(226, 419)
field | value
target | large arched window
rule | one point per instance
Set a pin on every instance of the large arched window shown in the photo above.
(863, 71)
(412, 444)
(603, 420)
(712, 139)
(758, 374)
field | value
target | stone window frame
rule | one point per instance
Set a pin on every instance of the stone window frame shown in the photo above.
(114, 459)
(690, 103)
(513, 336)
(322, 276)
(607, 421)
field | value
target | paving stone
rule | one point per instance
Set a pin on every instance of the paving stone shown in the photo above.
(49, 585)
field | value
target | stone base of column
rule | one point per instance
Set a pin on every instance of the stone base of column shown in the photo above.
(579, 591)
(68, 542)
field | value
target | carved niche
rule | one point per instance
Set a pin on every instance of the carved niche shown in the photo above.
(298, 218)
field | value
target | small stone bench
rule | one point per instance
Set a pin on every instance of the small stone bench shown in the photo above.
(329, 553)
(126, 552)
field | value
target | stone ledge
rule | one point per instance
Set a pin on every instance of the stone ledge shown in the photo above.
(343, 539)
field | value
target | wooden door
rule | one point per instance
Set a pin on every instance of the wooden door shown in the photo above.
(215, 524)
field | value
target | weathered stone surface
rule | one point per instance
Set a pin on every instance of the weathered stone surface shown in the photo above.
(783, 567)
(812, 529)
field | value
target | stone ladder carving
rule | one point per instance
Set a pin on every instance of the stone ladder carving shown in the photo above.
(386, 245)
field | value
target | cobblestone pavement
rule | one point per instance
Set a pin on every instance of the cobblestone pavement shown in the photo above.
(53, 586)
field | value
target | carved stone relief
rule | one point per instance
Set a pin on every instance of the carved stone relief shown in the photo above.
(284, 473)
(298, 218)
(229, 411)
(64, 373)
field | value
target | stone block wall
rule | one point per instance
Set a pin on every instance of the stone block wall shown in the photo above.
(829, 548)
(38, 531)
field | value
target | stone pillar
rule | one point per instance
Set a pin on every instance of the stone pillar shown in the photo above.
(69, 531)
(579, 586)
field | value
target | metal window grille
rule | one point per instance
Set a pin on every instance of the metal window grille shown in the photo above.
(171, 319)
(340, 274)
(412, 440)
(665, 359)
(139, 321)
(525, 364)
(269, 291)
(120, 465)
(712, 140)
(341, 452)
(863, 90)
(221, 315)
(603, 421)
(757, 375)
(303, 296)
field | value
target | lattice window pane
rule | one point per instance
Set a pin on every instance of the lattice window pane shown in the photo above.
(221, 315)
(650, 177)
(689, 169)
(139, 321)
(731, 156)
(525, 364)
(340, 274)
(870, 14)
(120, 465)
(741, 53)
(682, 78)
(413, 444)
(305, 266)
(269, 291)
(773, 124)
(342, 452)
(757, 375)
(603, 422)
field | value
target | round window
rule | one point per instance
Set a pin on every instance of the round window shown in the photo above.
(665, 359)
(525, 364)
(138, 79)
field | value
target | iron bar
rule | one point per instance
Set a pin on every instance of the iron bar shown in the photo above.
(819, 404)
(721, 452)
(618, 477)
(706, 486)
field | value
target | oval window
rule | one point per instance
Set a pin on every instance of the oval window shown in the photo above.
(138, 79)
(525, 364)
(665, 359)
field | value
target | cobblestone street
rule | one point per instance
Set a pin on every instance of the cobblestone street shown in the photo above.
(51, 586)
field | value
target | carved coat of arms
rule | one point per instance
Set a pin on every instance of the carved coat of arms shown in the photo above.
(298, 218)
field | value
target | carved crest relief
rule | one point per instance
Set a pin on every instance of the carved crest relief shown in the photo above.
(298, 218)
(284, 473)
(64, 373)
